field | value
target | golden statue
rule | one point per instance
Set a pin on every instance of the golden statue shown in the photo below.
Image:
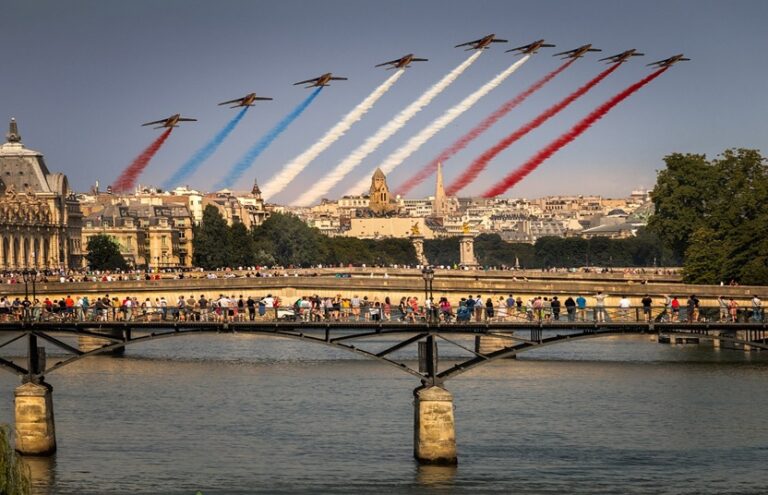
(465, 227)
(415, 229)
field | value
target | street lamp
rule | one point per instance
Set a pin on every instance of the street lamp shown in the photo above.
(428, 274)
(29, 276)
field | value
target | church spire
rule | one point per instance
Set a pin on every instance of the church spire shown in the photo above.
(255, 190)
(439, 206)
(13, 135)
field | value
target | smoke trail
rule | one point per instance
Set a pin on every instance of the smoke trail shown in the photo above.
(438, 124)
(247, 160)
(128, 178)
(290, 171)
(191, 165)
(385, 132)
(575, 131)
(480, 128)
(482, 161)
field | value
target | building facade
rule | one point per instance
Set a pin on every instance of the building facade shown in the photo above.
(40, 219)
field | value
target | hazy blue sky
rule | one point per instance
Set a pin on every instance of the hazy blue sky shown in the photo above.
(81, 76)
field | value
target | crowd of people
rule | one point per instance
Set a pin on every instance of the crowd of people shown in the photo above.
(498, 308)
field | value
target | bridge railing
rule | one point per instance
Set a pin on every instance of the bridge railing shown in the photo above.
(373, 313)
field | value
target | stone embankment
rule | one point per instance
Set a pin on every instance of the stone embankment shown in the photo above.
(396, 283)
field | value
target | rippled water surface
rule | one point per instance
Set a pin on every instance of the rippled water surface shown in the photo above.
(244, 414)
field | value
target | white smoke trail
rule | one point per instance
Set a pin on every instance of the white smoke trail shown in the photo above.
(290, 171)
(322, 187)
(437, 125)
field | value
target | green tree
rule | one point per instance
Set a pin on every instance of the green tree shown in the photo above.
(241, 246)
(104, 254)
(714, 211)
(211, 241)
(290, 241)
(15, 478)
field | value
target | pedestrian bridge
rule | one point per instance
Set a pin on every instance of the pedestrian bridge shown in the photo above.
(380, 341)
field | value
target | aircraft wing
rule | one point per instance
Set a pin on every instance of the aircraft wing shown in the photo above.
(307, 81)
(181, 119)
(156, 122)
(338, 79)
(419, 60)
(499, 41)
(563, 53)
(236, 100)
(391, 62)
(262, 98)
(468, 43)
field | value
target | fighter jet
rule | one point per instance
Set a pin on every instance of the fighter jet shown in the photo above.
(577, 52)
(245, 101)
(530, 47)
(172, 121)
(402, 63)
(482, 43)
(669, 61)
(321, 81)
(623, 56)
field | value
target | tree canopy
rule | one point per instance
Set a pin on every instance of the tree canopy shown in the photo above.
(714, 214)
(104, 254)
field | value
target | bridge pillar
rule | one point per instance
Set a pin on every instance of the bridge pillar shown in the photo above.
(434, 430)
(87, 343)
(486, 344)
(35, 428)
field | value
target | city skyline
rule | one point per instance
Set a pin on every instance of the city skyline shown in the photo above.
(91, 73)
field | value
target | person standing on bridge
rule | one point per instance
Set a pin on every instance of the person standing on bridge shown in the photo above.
(646, 302)
(757, 309)
(581, 303)
(733, 308)
(600, 307)
(693, 308)
(723, 305)
(570, 308)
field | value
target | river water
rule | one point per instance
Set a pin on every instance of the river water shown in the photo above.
(236, 414)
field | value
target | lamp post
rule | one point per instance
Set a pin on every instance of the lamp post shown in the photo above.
(428, 274)
(29, 276)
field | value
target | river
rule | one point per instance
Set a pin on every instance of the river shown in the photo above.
(237, 414)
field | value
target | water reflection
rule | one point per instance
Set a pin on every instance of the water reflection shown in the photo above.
(43, 472)
(440, 477)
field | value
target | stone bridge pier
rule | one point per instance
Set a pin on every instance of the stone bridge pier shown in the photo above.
(35, 427)
(434, 429)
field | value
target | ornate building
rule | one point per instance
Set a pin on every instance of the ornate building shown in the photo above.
(380, 201)
(40, 218)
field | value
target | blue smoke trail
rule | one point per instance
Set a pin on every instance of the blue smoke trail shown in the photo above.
(203, 153)
(247, 160)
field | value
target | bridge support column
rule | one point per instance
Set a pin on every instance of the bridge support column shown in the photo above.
(486, 344)
(434, 430)
(87, 343)
(35, 428)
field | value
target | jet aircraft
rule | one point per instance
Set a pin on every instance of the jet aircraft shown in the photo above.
(321, 81)
(669, 61)
(172, 121)
(578, 52)
(246, 101)
(530, 47)
(402, 63)
(482, 43)
(623, 56)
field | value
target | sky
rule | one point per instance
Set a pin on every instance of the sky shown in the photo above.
(82, 76)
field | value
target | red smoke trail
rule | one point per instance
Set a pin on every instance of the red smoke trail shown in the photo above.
(480, 128)
(128, 178)
(575, 131)
(482, 161)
